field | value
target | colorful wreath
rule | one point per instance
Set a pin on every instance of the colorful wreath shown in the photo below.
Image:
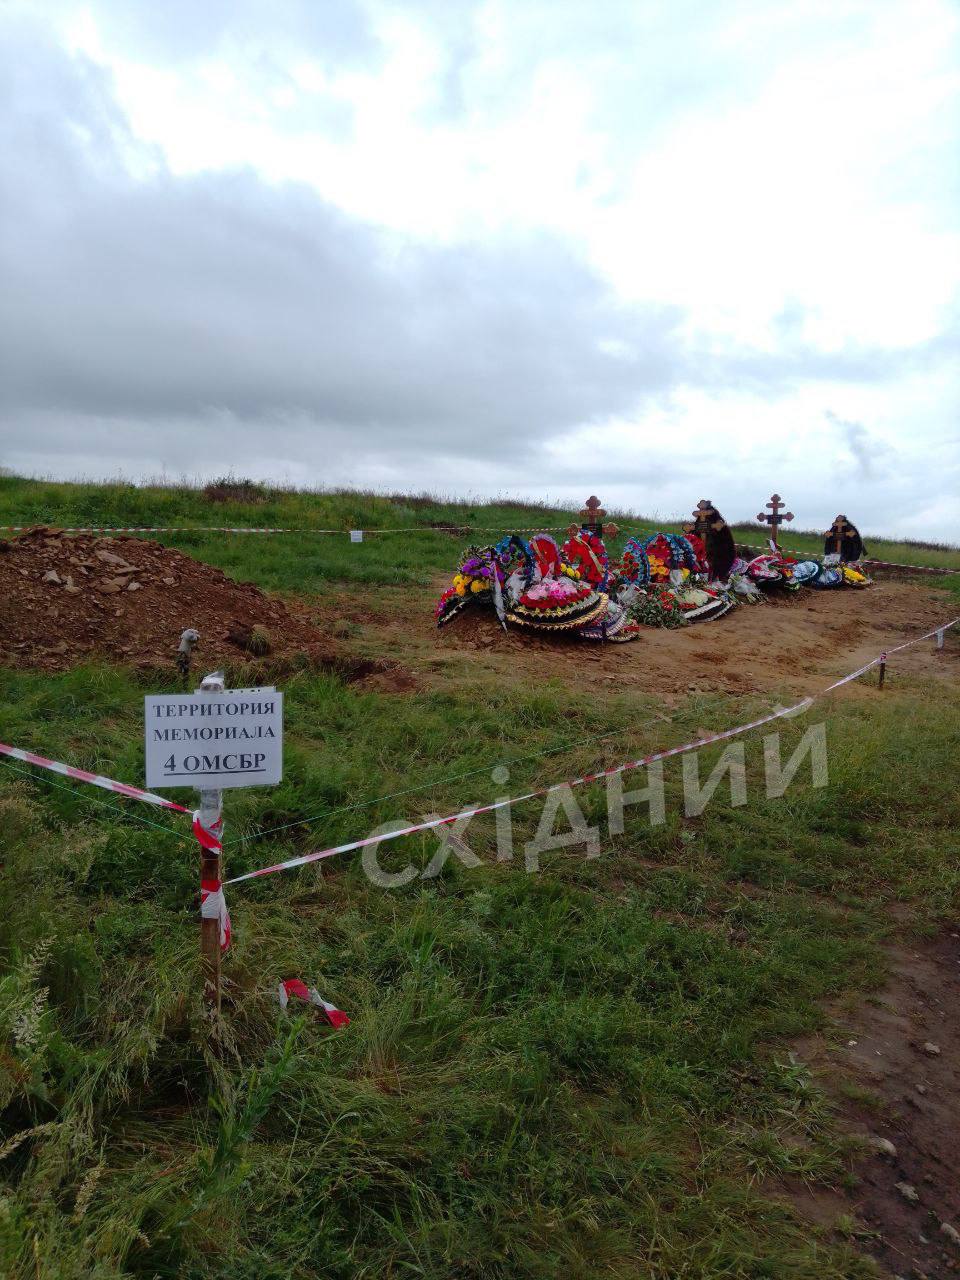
(475, 577)
(585, 553)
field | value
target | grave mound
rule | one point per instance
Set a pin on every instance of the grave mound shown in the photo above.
(66, 598)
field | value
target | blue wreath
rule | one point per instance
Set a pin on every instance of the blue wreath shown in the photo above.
(638, 549)
(683, 556)
(512, 545)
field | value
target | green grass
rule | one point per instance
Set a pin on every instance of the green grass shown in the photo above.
(317, 561)
(584, 1071)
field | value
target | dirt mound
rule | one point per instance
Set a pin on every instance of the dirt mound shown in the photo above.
(65, 597)
(479, 628)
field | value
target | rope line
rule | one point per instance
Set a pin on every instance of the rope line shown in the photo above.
(92, 799)
(571, 744)
(644, 761)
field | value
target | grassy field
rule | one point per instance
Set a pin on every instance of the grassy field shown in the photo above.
(585, 1071)
(414, 555)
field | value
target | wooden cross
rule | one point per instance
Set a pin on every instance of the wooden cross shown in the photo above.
(702, 515)
(840, 529)
(774, 519)
(591, 518)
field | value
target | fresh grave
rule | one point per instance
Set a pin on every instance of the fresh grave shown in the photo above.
(661, 580)
(66, 598)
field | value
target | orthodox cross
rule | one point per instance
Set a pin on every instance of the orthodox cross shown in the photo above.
(840, 529)
(591, 519)
(774, 518)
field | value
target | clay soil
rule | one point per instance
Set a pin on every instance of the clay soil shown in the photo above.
(797, 642)
(68, 598)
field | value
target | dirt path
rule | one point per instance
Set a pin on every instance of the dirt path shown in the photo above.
(902, 1048)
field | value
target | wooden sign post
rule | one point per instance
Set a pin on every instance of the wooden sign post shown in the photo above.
(213, 739)
(211, 819)
(774, 518)
(591, 520)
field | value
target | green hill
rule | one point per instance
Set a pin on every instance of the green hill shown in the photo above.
(583, 1071)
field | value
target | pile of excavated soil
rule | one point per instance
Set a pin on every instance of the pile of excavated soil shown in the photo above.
(64, 598)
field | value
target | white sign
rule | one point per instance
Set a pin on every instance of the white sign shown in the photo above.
(232, 738)
(356, 535)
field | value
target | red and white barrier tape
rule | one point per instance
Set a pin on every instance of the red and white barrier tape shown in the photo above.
(462, 528)
(299, 990)
(213, 904)
(153, 528)
(210, 839)
(888, 564)
(201, 528)
(936, 631)
(95, 779)
(508, 802)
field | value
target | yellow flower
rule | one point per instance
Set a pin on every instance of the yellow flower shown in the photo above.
(461, 589)
(476, 585)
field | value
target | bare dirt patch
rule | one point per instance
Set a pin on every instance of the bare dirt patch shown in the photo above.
(902, 1049)
(797, 642)
(65, 598)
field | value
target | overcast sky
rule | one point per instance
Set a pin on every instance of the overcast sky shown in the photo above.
(658, 250)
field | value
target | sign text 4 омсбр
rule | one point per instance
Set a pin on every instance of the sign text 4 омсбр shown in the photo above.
(230, 739)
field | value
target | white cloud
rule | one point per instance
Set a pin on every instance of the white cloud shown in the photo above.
(766, 195)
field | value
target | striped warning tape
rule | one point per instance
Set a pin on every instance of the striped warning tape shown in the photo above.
(508, 802)
(155, 528)
(204, 528)
(148, 797)
(458, 529)
(95, 779)
(888, 564)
